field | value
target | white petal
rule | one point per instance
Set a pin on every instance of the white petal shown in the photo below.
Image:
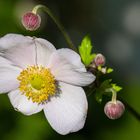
(24, 51)
(12, 40)
(72, 57)
(44, 51)
(4, 62)
(66, 72)
(67, 113)
(8, 78)
(22, 104)
(18, 49)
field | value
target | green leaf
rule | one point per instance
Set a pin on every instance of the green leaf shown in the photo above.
(98, 96)
(116, 87)
(106, 84)
(85, 50)
(102, 90)
(106, 89)
(109, 70)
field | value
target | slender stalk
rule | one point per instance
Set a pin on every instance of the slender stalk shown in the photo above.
(57, 22)
(114, 96)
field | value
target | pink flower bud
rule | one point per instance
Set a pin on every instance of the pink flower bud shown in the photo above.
(114, 110)
(99, 59)
(31, 21)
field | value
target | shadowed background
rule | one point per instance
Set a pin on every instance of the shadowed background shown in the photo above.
(114, 27)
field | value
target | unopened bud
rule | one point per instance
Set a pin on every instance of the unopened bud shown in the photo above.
(31, 21)
(99, 60)
(114, 110)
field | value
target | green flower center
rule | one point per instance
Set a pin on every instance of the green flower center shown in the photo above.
(37, 82)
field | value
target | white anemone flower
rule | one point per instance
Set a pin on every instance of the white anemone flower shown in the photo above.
(38, 77)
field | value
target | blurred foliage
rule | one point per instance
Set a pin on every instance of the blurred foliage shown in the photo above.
(100, 19)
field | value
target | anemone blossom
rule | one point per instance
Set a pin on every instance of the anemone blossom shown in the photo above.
(38, 77)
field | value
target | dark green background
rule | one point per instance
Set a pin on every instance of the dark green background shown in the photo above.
(114, 26)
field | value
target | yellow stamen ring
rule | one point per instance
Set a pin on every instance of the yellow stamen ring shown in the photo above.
(37, 83)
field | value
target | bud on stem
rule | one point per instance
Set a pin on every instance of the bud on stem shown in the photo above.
(99, 60)
(114, 108)
(31, 21)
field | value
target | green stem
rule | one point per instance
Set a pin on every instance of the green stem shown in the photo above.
(57, 22)
(114, 95)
